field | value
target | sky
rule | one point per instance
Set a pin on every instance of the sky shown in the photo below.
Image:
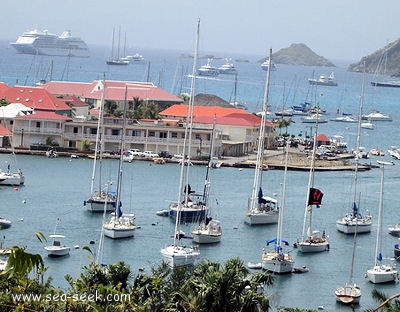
(336, 30)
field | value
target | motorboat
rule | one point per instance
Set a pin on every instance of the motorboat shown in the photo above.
(314, 118)
(51, 153)
(324, 80)
(208, 69)
(266, 64)
(348, 294)
(57, 249)
(118, 61)
(367, 125)
(344, 119)
(4, 223)
(377, 116)
(228, 68)
(38, 42)
(394, 152)
(136, 58)
(120, 227)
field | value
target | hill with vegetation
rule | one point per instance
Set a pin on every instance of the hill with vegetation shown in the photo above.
(383, 61)
(299, 54)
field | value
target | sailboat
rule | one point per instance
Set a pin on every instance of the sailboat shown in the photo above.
(312, 240)
(100, 199)
(355, 219)
(261, 209)
(120, 225)
(351, 293)
(276, 260)
(176, 255)
(117, 60)
(234, 101)
(209, 229)
(381, 273)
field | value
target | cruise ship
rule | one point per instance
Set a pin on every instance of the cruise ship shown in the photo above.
(44, 43)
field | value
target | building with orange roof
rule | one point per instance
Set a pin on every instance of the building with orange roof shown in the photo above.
(238, 129)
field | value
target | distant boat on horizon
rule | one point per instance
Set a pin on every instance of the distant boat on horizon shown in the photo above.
(39, 42)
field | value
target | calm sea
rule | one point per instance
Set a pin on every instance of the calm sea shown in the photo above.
(56, 188)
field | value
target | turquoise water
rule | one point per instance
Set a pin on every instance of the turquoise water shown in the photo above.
(56, 188)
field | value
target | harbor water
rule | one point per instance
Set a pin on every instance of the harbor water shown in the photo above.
(55, 189)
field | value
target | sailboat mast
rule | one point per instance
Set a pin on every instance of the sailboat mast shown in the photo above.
(187, 141)
(308, 210)
(99, 140)
(121, 153)
(358, 142)
(261, 140)
(280, 220)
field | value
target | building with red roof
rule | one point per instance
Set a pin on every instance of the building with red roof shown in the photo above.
(92, 92)
(238, 129)
(36, 98)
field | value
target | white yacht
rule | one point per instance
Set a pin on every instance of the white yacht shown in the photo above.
(208, 70)
(228, 68)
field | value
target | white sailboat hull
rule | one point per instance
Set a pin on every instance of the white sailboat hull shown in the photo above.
(259, 217)
(348, 225)
(348, 294)
(382, 274)
(12, 179)
(122, 227)
(208, 233)
(98, 203)
(306, 246)
(176, 256)
(278, 263)
(119, 233)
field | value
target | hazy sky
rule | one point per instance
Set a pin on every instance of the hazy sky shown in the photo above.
(337, 30)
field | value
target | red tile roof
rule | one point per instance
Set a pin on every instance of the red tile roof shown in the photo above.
(115, 90)
(43, 115)
(322, 137)
(34, 97)
(74, 101)
(4, 132)
(222, 115)
(3, 87)
(181, 111)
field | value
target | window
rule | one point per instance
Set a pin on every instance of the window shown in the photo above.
(152, 134)
(136, 133)
(115, 132)
(163, 135)
(174, 135)
(75, 129)
(38, 124)
(93, 130)
(198, 136)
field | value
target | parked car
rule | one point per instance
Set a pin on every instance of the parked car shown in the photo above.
(150, 154)
(136, 153)
(165, 154)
